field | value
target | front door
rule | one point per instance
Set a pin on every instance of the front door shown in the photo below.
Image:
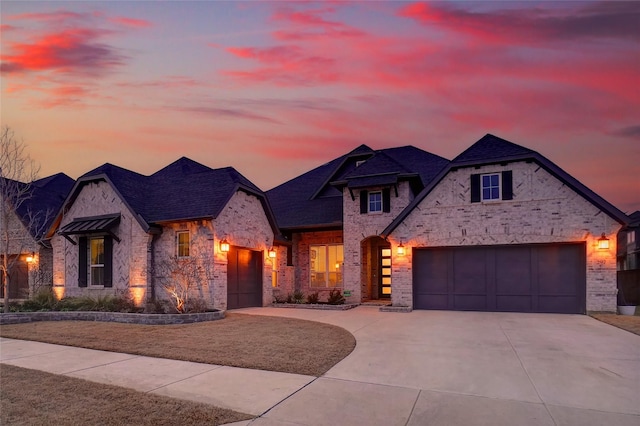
(384, 272)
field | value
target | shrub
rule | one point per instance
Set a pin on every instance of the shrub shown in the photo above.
(195, 305)
(277, 298)
(335, 297)
(298, 297)
(157, 306)
(313, 297)
(289, 298)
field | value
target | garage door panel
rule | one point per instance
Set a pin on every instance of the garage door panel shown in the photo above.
(513, 304)
(472, 278)
(244, 278)
(515, 278)
(470, 302)
(434, 269)
(513, 270)
(438, 302)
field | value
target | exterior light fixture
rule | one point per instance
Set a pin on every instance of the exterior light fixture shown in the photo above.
(224, 246)
(603, 242)
(31, 257)
(400, 250)
(272, 253)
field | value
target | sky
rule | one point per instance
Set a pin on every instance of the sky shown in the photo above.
(275, 89)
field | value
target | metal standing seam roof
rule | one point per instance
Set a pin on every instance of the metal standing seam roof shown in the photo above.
(84, 225)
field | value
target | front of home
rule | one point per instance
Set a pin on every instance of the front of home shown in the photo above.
(187, 232)
(30, 256)
(499, 228)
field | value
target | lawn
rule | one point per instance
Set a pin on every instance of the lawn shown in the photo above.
(630, 323)
(250, 341)
(30, 397)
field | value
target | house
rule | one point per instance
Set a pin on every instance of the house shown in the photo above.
(185, 230)
(499, 228)
(31, 256)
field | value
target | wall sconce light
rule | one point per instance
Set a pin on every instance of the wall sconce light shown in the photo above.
(272, 253)
(400, 250)
(337, 266)
(31, 257)
(603, 242)
(224, 246)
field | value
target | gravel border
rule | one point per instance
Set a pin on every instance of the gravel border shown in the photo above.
(129, 318)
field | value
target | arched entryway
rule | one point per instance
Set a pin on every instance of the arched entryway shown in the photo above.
(375, 270)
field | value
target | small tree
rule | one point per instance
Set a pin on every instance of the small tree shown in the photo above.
(17, 173)
(180, 276)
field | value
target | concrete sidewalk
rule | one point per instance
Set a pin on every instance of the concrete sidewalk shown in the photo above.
(421, 368)
(241, 389)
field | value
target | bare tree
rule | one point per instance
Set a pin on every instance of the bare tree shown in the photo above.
(179, 278)
(17, 173)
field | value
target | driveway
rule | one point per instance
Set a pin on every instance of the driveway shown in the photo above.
(469, 368)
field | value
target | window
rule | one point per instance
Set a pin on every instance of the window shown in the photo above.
(631, 237)
(375, 202)
(96, 261)
(325, 265)
(182, 245)
(491, 187)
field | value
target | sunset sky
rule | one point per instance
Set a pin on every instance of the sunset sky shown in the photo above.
(277, 88)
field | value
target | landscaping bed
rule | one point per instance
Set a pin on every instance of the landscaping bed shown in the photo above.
(321, 306)
(123, 317)
(630, 323)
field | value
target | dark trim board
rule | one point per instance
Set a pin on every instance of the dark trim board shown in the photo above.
(503, 278)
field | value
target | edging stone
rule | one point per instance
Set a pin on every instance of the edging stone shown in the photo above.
(321, 306)
(122, 317)
(405, 309)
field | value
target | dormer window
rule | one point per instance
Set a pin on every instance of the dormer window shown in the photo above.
(375, 202)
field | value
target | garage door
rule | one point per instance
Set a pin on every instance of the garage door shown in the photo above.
(514, 278)
(19, 279)
(244, 278)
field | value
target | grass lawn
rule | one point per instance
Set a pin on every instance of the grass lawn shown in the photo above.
(250, 341)
(30, 397)
(630, 323)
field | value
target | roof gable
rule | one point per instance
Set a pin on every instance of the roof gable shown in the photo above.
(490, 148)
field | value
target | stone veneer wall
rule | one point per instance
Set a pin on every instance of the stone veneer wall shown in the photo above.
(358, 227)
(543, 210)
(243, 223)
(129, 255)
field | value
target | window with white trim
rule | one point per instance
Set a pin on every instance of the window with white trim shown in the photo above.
(490, 186)
(375, 202)
(183, 244)
(96, 261)
(325, 265)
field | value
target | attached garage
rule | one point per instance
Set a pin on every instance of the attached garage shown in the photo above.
(503, 278)
(244, 278)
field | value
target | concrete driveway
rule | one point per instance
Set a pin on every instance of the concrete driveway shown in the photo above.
(469, 368)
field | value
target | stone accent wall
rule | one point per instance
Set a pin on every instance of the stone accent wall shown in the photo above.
(358, 227)
(543, 210)
(129, 255)
(301, 250)
(243, 223)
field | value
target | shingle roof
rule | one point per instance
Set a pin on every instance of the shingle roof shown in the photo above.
(47, 196)
(315, 200)
(491, 149)
(488, 148)
(182, 190)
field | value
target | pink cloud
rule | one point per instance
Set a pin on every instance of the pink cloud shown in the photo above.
(131, 22)
(71, 50)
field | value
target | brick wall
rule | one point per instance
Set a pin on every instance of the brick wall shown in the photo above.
(543, 210)
(243, 223)
(301, 250)
(359, 227)
(129, 255)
